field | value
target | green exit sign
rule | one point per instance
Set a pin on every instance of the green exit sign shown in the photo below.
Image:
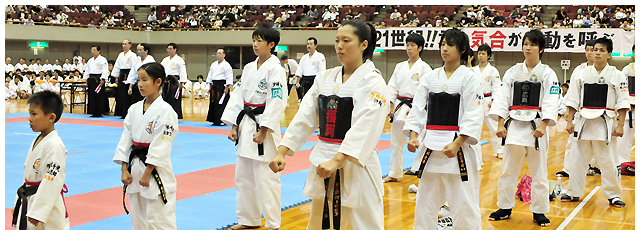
(37, 44)
(281, 48)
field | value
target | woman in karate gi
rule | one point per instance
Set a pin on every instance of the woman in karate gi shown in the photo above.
(529, 98)
(132, 80)
(144, 151)
(349, 104)
(402, 87)
(448, 169)
(254, 110)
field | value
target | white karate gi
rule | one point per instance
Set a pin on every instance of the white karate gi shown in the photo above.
(220, 71)
(490, 78)
(175, 66)
(8, 94)
(566, 164)
(361, 184)
(201, 89)
(403, 83)
(37, 68)
(157, 126)
(46, 164)
(257, 187)
(124, 61)
(67, 67)
(55, 67)
(625, 143)
(519, 145)
(9, 68)
(311, 65)
(594, 135)
(137, 63)
(441, 179)
(47, 67)
(97, 65)
(50, 86)
(21, 67)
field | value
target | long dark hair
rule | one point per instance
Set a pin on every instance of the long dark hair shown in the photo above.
(457, 38)
(365, 32)
(155, 70)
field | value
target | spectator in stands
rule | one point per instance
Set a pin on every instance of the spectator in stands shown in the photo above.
(336, 22)
(427, 23)
(269, 16)
(516, 13)
(218, 23)
(103, 25)
(28, 20)
(91, 24)
(620, 14)
(577, 23)
(445, 21)
(283, 18)
(605, 22)
(628, 17)
(252, 10)
(395, 15)
(498, 19)
(405, 21)
(464, 20)
(626, 26)
(314, 15)
(382, 25)
(327, 16)
(349, 15)
(473, 22)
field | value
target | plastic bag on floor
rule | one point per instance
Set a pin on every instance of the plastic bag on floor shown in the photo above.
(524, 189)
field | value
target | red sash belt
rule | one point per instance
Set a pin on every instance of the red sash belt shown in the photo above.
(443, 127)
(525, 107)
(64, 190)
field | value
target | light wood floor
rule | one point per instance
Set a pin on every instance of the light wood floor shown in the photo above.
(399, 204)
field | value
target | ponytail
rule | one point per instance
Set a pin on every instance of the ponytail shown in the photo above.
(365, 32)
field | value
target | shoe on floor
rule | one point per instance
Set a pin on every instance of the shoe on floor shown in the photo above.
(501, 214)
(541, 220)
(562, 174)
(567, 198)
(616, 202)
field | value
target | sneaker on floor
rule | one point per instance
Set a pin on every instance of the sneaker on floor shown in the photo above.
(562, 174)
(616, 202)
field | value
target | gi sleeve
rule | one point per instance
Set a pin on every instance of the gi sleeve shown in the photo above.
(124, 146)
(500, 105)
(51, 185)
(164, 132)
(228, 74)
(133, 73)
(276, 99)
(393, 86)
(293, 65)
(562, 109)
(85, 74)
(302, 63)
(472, 116)
(235, 104)
(625, 71)
(104, 66)
(116, 68)
(495, 81)
(550, 93)
(305, 122)
(417, 118)
(183, 70)
(322, 63)
(370, 110)
(622, 91)
(572, 98)
(210, 75)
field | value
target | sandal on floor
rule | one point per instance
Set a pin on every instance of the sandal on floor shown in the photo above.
(501, 214)
(389, 179)
(411, 173)
(567, 198)
(562, 174)
(541, 220)
(616, 202)
(239, 226)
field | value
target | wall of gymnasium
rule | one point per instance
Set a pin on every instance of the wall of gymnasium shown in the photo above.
(198, 48)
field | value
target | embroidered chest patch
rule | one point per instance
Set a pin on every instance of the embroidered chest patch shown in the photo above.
(149, 128)
(263, 84)
(36, 165)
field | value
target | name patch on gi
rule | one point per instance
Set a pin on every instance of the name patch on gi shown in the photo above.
(52, 172)
(378, 99)
(554, 90)
(166, 133)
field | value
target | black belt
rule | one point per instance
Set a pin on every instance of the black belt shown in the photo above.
(326, 224)
(403, 101)
(141, 153)
(123, 74)
(21, 205)
(461, 163)
(533, 125)
(310, 76)
(96, 77)
(252, 114)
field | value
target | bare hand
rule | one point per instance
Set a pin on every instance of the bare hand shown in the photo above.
(126, 178)
(413, 145)
(144, 180)
(390, 113)
(258, 137)
(539, 132)
(277, 164)
(102, 81)
(501, 132)
(450, 150)
(233, 135)
(619, 130)
(33, 221)
(570, 127)
(226, 89)
(490, 103)
(325, 169)
(297, 85)
(130, 91)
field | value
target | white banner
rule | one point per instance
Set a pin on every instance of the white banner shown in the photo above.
(510, 39)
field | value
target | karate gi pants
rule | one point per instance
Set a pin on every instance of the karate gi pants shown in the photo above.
(122, 95)
(216, 109)
(172, 87)
(581, 154)
(496, 142)
(257, 187)
(152, 214)
(513, 158)
(625, 143)
(398, 139)
(97, 103)
(368, 216)
(463, 198)
(305, 84)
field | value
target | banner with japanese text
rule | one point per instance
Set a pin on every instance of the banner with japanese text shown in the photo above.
(510, 39)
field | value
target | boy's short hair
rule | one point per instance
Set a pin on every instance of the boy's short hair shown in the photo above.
(200, 77)
(565, 85)
(268, 34)
(606, 42)
(416, 39)
(536, 37)
(591, 43)
(49, 102)
(284, 57)
(315, 41)
(486, 48)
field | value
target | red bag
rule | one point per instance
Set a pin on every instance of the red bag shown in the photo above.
(628, 168)
(524, 189)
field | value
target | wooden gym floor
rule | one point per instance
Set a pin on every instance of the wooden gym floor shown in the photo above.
(399, 204)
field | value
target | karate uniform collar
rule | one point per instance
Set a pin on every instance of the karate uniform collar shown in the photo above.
(594, 72)
(47, 137)
(414, 64)
(359, 73)
(153, 105)
(273, 60)
(525, 70)
(443, 76)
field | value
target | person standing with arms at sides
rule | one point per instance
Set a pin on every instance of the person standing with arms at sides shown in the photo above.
(96, 76)
(144, 151)
(132, 80)
(490, 78)
(257, 103)
(310, 65)
(402, 87)
(39, 204)
(120, 71)
(588, 52)
(448, 105)
(290, 68)
(349, 104)
(528, 98)
(176, 77)
(221, 79)
(626, 141)
(597, 93)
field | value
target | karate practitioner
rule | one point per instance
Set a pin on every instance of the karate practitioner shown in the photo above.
(528, 98)
(132, 80)
(120, 71)
(402, 87)
(8, 67)
(349, 105)
(56, 66)
(588, 52)
(310, 65)
(67, 67)
(9, 94)
(256, 106)
(22, 66)
(625, 143)
(39, 203)
(47, 67)
(221, 79)
(96, 75)
(490, 78)
(176, 77)
(144, 151)
(597, 93)
(448, 169)
(290, 68)
(200, 88)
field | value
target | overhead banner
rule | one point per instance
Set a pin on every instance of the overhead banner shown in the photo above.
(510, 39)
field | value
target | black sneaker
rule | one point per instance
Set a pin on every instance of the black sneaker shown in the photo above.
(567, 198)
(501, 214)
(562, 174)
(616, 202)
(410, 173)
(541, 220)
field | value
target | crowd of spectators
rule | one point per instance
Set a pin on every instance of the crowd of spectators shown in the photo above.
(595, 17)
(94, 17)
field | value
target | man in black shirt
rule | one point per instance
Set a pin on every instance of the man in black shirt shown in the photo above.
(560, 14)
(498, 19)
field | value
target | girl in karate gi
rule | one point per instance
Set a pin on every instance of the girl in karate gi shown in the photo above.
(448, 169)
(529, 98)
(349, 104)
(144, 152)
(254, 110)
(402, 87)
